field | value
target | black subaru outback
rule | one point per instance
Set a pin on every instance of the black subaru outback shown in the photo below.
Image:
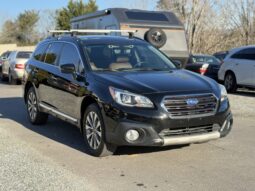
(122, 91)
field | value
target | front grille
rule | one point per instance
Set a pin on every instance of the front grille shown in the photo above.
(178, 107)
(182, 131)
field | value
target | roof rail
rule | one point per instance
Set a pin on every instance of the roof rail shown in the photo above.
(95, 31)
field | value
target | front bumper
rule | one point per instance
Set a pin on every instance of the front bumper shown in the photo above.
(150, 128)
(191, 139)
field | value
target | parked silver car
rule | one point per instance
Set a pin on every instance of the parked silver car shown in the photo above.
(3, 58)
(13, 67)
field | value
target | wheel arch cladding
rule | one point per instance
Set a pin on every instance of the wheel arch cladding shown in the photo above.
(88, 100)
(27, 87)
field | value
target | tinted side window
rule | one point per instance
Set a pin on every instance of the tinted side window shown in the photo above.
(53, 52)
(70, 55)
(145, 16)
(248, 54)
(39, 53)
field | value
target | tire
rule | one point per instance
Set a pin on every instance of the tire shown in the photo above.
(94, 133)
(35, 116)
(156, 37)
(11, 80)
(230, 82)
(3, 77)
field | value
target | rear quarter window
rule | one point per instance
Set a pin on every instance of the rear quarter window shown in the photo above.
(246, 54)
(53, 53)
(39, 53)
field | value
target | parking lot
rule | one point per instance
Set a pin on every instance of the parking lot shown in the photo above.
(52, 157)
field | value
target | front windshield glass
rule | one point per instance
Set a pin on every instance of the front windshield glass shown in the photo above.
(138, 57)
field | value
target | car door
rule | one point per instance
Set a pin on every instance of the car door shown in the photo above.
(69, 85)
(243, 66)
(47, 74)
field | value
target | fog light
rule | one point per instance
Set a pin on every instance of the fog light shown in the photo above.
(132, 135)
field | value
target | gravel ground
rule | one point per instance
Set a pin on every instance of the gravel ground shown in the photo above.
(52, 157)
(23, 168)
(242, 104)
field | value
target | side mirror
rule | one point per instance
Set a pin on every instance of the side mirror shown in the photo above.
(178, 63)
(67, 68)
(3, 58)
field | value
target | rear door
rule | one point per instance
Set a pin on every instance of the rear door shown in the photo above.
(47, 73)
(244, 66)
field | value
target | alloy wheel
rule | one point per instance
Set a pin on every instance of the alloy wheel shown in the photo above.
(32, 105)
(229, 82)
(93, 130)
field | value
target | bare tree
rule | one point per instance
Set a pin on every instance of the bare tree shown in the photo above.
(214, 25)
(138, 4)
(239, 15)
(46, 22)
(194, 14)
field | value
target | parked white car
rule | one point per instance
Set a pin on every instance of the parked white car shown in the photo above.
(13, 68)
(238, 69)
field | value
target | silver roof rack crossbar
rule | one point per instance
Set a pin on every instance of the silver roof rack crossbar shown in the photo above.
(95, 31)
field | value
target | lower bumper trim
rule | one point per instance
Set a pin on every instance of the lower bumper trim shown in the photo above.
(190, 139)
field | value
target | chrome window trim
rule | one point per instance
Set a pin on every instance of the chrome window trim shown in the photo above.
(190, 116)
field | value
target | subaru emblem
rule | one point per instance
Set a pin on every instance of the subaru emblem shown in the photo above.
(192, 101)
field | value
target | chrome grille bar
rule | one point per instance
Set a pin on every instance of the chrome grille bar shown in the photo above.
(177, 106)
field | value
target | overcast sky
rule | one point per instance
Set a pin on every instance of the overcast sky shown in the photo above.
(9, 9)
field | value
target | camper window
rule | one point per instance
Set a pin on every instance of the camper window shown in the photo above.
(145, 16)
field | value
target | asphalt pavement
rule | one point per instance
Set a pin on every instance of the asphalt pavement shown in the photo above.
(53, 157)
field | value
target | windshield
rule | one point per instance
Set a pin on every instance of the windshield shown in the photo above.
(206, 59)
(25, 55)
(127, 58)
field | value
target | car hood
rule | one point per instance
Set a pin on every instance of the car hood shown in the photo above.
(157, 82)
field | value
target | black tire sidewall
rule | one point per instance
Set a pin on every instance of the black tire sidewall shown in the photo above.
(233, 87)
(148, 37)
(29, 91)
(11, 80)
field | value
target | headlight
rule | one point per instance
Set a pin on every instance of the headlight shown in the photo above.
(129, 99)
(223, 93)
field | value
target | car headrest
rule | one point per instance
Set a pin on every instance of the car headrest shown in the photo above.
(93, 66)
(116, 66)
(122, 59)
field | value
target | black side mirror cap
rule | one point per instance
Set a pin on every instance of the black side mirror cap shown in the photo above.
(178, 63)
(67, 68)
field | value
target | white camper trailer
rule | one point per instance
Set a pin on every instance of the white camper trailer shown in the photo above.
(162, 29)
